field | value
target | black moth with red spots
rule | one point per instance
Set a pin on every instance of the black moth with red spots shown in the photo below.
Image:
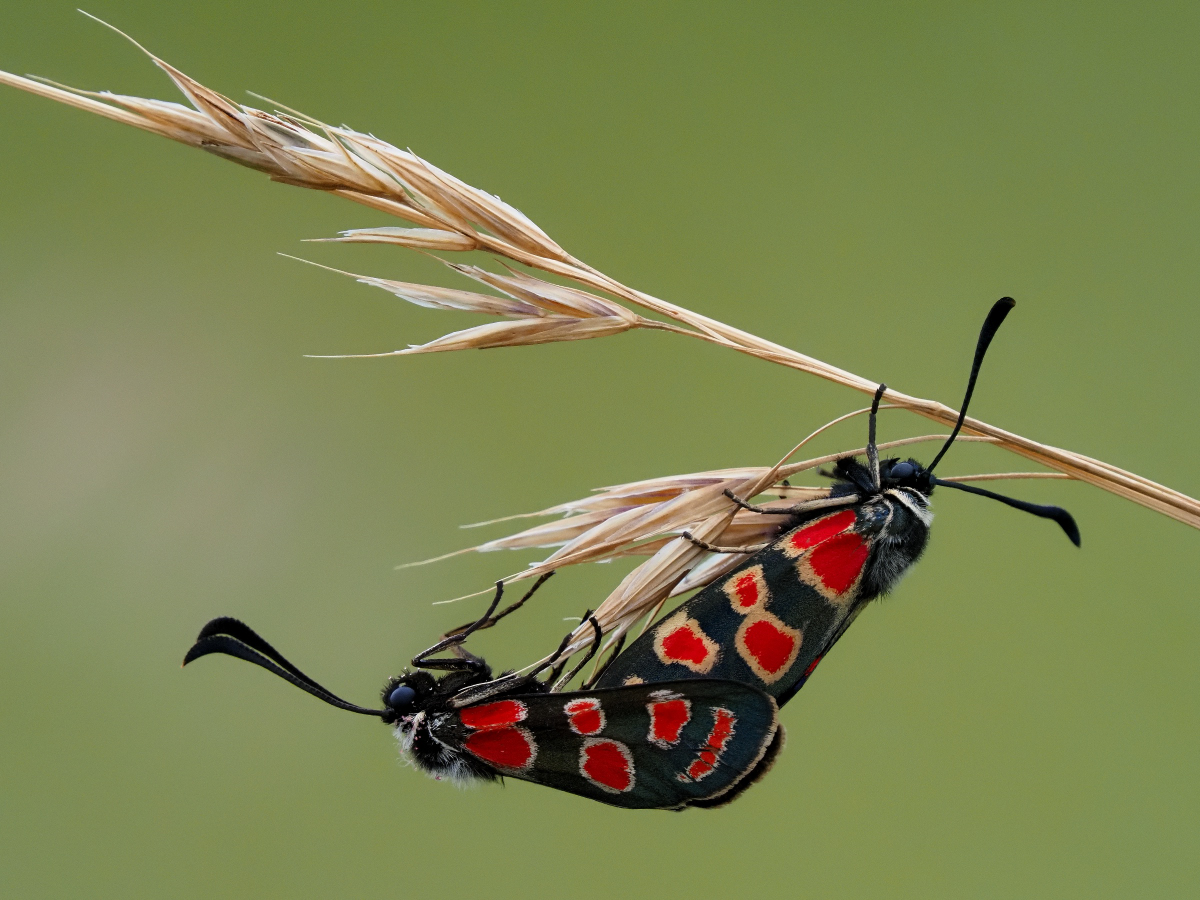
(772, 619)
(662, 746)
(688, 714)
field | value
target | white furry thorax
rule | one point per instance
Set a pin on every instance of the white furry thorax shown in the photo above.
(447, 764)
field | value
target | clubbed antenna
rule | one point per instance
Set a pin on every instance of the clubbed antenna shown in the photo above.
(991, 325)
(235, 638)
(1057, 513)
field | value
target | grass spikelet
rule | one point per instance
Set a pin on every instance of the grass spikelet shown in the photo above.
(451, 216)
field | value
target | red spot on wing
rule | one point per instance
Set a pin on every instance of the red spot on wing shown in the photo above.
(746, 589)
(772, 647)
(585, 715)
(768, 645)
(812, 665)
(607, 764)
(822, 529)
(667, 718)
(839, 560)
(684, 645)
(681, 640)
(707, 759)
(506, 748)
(493, 715)
(722, 729)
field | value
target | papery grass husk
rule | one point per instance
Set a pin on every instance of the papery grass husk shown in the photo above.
(450, 216)
(650, 517)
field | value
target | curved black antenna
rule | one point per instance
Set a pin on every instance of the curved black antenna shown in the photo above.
(235, 638)
(991, 325)
(1057, 513)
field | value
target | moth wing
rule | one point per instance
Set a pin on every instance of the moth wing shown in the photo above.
(655, 746)
(767, 623)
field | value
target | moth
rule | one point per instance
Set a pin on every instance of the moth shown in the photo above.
(771, 621)
(671, 745)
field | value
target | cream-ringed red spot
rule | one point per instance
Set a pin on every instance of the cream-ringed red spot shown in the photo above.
(768, 646)
(747, 590)
(798, 542)
(507, 748)
(608, 765)
(834, 567)
(681, 640)
(585, 715)
(669, 712)
(718, 738)
(494, 715)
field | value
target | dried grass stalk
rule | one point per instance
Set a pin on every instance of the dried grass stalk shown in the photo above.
(452, 216)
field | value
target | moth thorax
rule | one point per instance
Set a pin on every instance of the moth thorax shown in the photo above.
(902, 537)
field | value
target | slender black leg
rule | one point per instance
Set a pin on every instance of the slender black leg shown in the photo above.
(597, 635)
(476, 626)
(616, 651)
(553, 663)
(716, 548)
(514, 681)
(792, 510)
(467, 660)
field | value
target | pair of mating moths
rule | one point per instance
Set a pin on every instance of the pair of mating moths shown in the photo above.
(687, 715)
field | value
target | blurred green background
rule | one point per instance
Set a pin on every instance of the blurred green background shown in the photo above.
(859, 182)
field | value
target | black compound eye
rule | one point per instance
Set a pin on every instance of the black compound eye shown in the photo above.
(401, 697)
(902, 470)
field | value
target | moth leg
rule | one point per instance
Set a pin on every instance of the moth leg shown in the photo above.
(751, 507)
(553, 663)
(507, 683)
(716, 548)
(597, 635)
(465, 660)
(616, 651)
(512, 608)
(792, 510)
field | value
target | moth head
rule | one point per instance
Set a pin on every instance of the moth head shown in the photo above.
(406, 695)
(911, 473)
(906, 473)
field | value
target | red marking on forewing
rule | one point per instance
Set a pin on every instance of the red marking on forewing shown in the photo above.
(823, 528)
(681, 640)
(812, 665)
(707, 759)
(505, 748)
(838, 561)
(747, 590)
(607, 764)
(668, 714)
(683, 645)
(585, 715)
(768, 646)
(493, 715)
